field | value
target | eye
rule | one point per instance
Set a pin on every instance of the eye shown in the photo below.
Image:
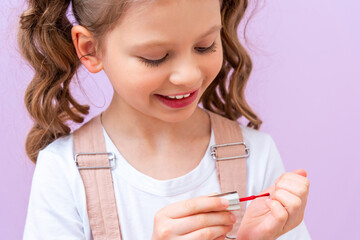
(202, 50)
(157, 62)
(153, 63)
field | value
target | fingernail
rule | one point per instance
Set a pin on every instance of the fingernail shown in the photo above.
(225, 202)
(269, 198)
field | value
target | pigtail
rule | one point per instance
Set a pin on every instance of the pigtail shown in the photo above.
(228, 98)
(45, 41)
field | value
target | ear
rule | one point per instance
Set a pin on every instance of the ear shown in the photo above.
(85, 46)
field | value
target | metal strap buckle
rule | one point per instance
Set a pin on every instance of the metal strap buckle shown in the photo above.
(214, 147)
(111, 158)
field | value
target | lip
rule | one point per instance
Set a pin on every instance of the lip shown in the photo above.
(178, 103)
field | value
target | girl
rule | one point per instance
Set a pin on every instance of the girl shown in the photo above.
(162, 58)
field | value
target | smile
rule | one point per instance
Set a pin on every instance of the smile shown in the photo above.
(178, 100)
(178, 96)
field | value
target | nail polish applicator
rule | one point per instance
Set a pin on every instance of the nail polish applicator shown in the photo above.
(235, 200)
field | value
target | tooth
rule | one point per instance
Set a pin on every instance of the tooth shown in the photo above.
(179, 97)
(172, 97)
(186, 95)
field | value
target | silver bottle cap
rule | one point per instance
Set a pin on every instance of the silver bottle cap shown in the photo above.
(233, 198)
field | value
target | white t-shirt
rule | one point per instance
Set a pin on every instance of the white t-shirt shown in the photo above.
(57, 205)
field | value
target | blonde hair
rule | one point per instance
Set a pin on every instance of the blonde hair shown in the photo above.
(45, 41)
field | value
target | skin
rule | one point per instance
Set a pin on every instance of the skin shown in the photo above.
(270, 218)
(162, 133)
(135, 83)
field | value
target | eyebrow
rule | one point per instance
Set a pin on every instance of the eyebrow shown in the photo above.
(211, 30)
(161, 43)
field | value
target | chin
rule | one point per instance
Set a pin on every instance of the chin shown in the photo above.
(178, 115)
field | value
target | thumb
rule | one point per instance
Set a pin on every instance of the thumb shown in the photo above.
(270, 190)
(301, 172)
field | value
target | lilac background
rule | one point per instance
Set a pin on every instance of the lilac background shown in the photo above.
(305, 86)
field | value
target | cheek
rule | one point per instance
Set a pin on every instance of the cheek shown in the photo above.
(143, 82)
(128, 78)
(214, 65)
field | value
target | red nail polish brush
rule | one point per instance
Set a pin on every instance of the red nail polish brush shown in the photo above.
(244, 199)
(235, 200)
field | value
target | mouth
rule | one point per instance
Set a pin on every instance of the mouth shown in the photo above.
(178, 100)
(178, 96)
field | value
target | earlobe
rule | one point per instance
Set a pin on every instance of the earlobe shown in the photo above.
(85, 46)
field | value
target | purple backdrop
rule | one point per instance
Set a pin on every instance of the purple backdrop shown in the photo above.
(305, 86)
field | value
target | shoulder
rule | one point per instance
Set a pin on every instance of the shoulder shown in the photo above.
(57, 203)
(56, 160)
(61, 148)
(56, 176)
(255, 136)
(63, 143)
(257, 140)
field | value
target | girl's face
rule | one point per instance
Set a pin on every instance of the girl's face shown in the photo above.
(162, 56)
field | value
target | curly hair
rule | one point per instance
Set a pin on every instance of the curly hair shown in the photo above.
(45, 41)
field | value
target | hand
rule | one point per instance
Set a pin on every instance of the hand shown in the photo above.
(270, 218)
(203, 218)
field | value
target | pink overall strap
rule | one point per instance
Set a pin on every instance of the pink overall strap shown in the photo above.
(230, 153)
(95, 165)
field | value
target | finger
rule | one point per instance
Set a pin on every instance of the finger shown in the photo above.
(292, 175)
(291, 202)
(294, 206)
(301, 172)
(209, 233)
(204, 220)
(223, 237)
(295, 184)
(279, 214)
(195, 206)
(269, 190)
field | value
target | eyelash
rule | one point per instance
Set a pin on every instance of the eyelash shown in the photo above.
(155, 63)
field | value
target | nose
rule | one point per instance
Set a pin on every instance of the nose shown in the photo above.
(186, 72)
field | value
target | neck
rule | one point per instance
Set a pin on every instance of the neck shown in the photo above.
(126, 122)
(159, 149)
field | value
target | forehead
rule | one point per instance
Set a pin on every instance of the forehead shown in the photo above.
(179, 20)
